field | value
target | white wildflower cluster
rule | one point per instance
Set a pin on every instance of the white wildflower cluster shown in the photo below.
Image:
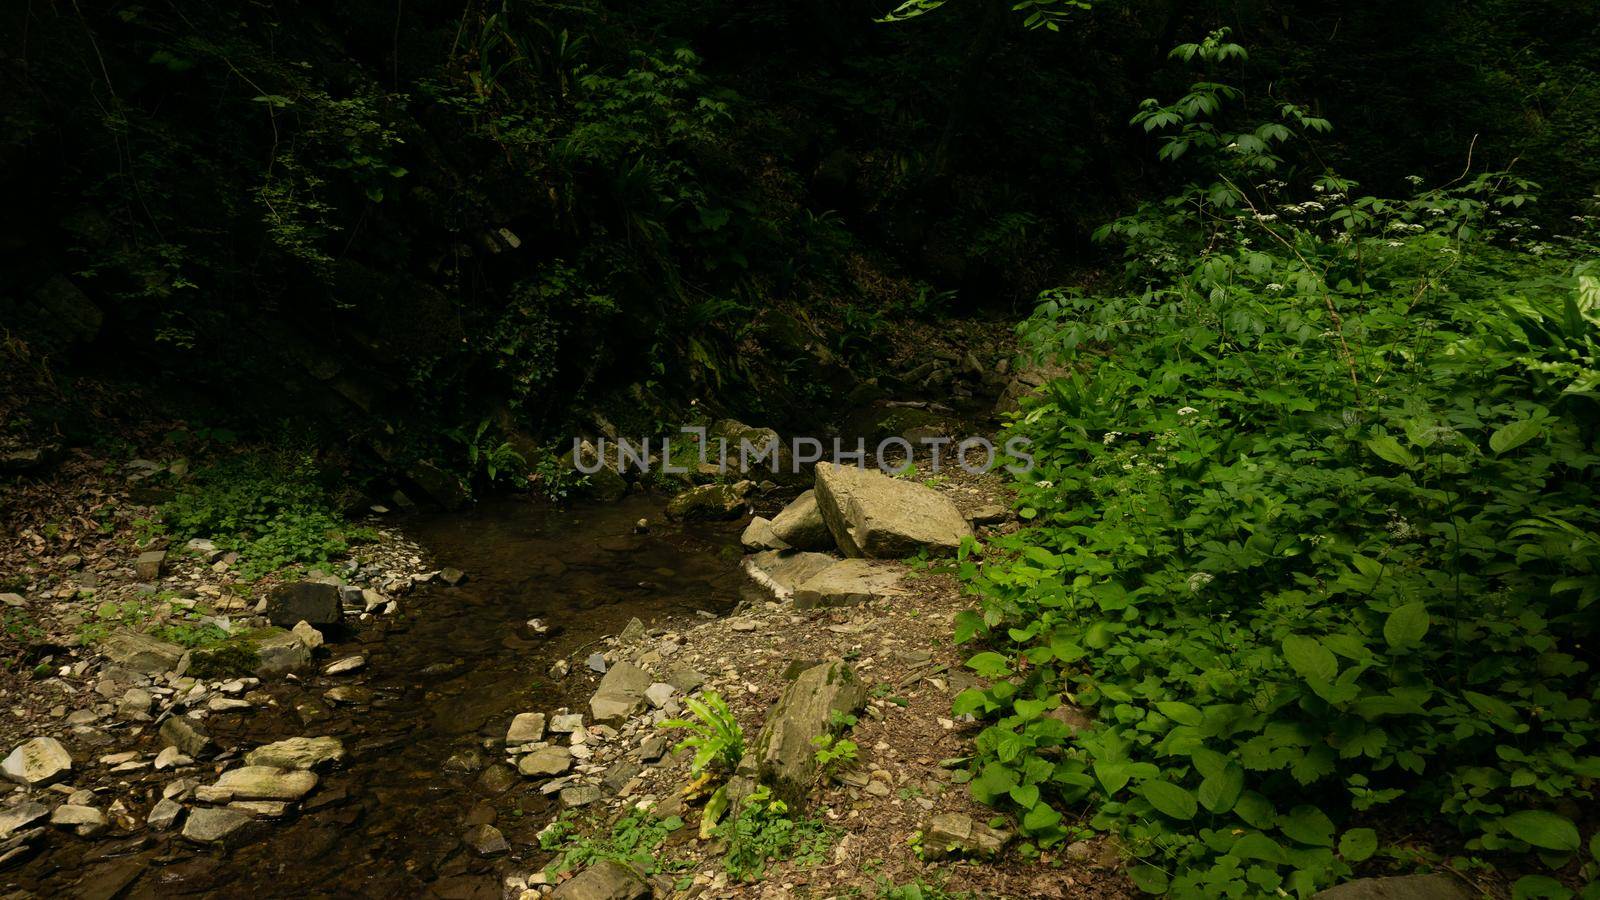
(1187, 411)
(1199, 580)
(1301, 208)
(1110, 438)
(1415, 180)
(1405, 227)
(1399, 529)
(1266, 217)
(1275, 288)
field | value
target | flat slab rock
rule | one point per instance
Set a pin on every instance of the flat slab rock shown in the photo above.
(784, 754)
(849, 582)
(781, 571)
(207, 825)
(620, 693)
(260, 783)
(1400, 887)
(140, 652)
(953, 834)
(801, 526)
(873, 515)
(39, 762)
(605, 880)
(298, 753)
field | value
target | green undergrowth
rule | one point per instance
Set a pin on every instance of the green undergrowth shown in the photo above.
(1314, 537)
(274, 508)
(636, 839)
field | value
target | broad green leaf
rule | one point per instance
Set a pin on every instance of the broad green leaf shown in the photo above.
(1042, 817)
(1539, 887)
(1543, 829)
(1406, 625)
(1256, 845)
(1149, 879)
(1025, 795)
(1390, 450)
(1308, 825)
(1512, 436)
(1358, 844)
(1169, 799)
(1182, 713)
(989, 665)
(1219, 792)
(1113, 774)
(1309, 658)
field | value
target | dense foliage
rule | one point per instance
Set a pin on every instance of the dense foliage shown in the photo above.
(1316, 535)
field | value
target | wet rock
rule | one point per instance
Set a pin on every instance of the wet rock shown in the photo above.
(39, 762)
(347, 664)
(308, 634)
(606, 483)
(348, 694)
(308, 753)
(464, 762)
(263, 652)
(440, 486)
(164, 815)
(525, 729)
(848, 582)
(784, 753)
(781, 571)
(140, 652)
(801, 526)
(315, 602)
(486, 840)
(953, 834)
(180, 789)
(497, 779)
(150, 564)
(16, 818)
(209, 826)
(452, 576)
(605, 880)
(758, 535)
(873, 515)
(185, 734)
(86, 821)
(545, 762)
(559, 669)
(259, 783)
(620, 693)
(1398, 887)
(709, 501)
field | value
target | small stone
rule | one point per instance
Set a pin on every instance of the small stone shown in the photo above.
(206, 825)
(452, 577)
(653, 748)
(164, 815)
(634, 631)
(39, 762)
(150, 564)
(525, 729)
(609, 880)
(566, 723)
(348, 664)
(953, 834)
(185, 734)
(135, 705)
(348, 694)
(580, 795)
(658, 694)
(17, 817)
(486, 840)
(308, 634)
(742, 624)
(85, 820)
(545, 762)
(261, 809)
(303, 753)
(559, 669)
(597, 663)
(262, 783)
(227, 704)
(170, 757)
(877, 789)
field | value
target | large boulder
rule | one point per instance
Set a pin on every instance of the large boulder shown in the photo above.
(262, 652)
(709, 501)
(259, 783)
(140, 652)
(37, 763)
(605, 880)
(849, 582)
(801, 526)
(785, 755)
(1398, 887)
(873, 515)
(621, 693)
(606, 482)
(758, 536)
(781, 571)
(316, 602)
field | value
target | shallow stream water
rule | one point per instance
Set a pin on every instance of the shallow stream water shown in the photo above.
(446, 674)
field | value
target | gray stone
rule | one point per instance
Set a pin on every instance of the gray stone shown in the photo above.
(209, 826)
(758, 535)
(497, 779)
(85, 820)
(580, 795)
(545, 761)
(597, 662)
(781, 571)
(605, 880)
(801, 526)
(632, 632)
(953, 834)
(308, 634)
(566, 723)
(164, 814)
(1398, 887)
(709, 501)
(685, 680)
(849, 582)
(15, 818)
(784, 754)
(315, 602)
(452, 576)
(1028, 379)
(620, 693)
(150, 564)
(525, 729)
(261, 809)
(135, 704)
(606, 483)
(989, 514)
(620, 773)
(140, 652)
(261, 783)
(185, 734)
(873, 515)
(486, 840)
(658, 694)
(347, 664)
(10, 599)
(306, 753)
(39, 762)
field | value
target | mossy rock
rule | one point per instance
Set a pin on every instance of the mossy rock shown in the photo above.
(262, 652)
